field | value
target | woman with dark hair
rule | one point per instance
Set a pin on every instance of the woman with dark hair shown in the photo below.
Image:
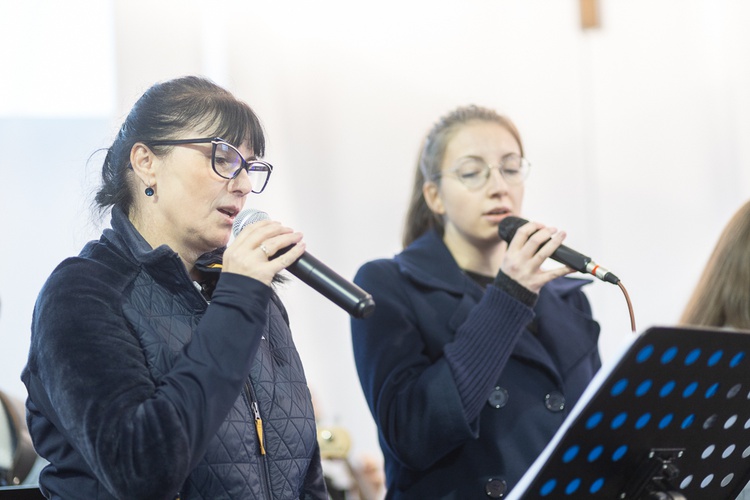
(161, 362)
(475, 354)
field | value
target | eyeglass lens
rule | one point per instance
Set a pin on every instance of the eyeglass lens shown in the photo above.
(227, 162)
(474, 172)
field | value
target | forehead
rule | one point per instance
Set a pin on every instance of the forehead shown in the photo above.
(481, 138)
(208, 133)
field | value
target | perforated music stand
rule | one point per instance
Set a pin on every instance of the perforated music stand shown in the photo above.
(670, 419)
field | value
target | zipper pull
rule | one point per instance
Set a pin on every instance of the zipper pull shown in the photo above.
(259, 427)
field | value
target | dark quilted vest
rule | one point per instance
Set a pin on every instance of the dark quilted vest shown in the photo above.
(232, 467)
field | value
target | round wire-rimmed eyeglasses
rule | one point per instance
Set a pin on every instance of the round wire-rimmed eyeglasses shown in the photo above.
(227, 161)
(474, 171)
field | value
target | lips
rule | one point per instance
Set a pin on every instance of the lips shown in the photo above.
(498, 211)
(230, 212)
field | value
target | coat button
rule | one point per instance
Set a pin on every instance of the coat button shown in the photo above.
(554, 401)
(495, 488)
(498, 397)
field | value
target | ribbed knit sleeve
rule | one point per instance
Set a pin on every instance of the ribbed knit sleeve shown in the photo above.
(483, 345)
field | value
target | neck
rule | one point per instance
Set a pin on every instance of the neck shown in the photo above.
(151, 231)
(481, 257)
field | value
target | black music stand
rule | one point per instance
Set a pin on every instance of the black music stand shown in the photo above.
(669, 420)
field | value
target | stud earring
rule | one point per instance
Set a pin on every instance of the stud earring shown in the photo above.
(149, 191)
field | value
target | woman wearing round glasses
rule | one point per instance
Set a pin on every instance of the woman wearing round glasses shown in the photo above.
(161, 362)
(475, 353)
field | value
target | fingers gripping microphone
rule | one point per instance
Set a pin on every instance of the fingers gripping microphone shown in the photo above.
(564, 255)
(317, 275)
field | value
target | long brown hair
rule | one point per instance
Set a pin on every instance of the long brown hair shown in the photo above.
(419, 217)
(722, 296)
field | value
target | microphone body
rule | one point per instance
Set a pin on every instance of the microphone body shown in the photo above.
(345, 294)
(564, 255)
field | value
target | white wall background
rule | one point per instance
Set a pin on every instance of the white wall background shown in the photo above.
(638, 132)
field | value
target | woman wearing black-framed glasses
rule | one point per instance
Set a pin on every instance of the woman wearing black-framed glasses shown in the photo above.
(153, 370)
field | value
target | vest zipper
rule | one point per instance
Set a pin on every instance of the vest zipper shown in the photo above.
(258, 426)
(253, 404)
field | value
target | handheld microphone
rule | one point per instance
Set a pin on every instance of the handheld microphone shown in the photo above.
(317, 275)
(564, 255)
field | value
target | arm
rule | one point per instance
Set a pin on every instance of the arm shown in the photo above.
(315, 486)
(426, 407)
(88, 375)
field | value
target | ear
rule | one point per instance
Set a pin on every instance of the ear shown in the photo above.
(142, 161)
(431, 193)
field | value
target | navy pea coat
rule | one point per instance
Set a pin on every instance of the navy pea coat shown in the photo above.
(467, 386)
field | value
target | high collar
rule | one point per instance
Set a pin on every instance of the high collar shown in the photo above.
(428, 261)
(126, 237)
(162, 262)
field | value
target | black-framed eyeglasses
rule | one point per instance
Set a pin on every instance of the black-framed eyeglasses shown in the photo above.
(474, 171)
(228, 162)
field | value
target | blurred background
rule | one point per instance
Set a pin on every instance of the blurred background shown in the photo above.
(637, 127)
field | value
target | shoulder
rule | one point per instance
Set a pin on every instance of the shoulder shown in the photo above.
(566, 286)
(376, 267)
(98, 266)
(564, 293)
(84, 286)
(378, 275)
(79, 307)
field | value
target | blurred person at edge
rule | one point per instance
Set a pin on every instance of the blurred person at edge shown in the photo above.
(722, 296)
(475, 354)
(161, 363)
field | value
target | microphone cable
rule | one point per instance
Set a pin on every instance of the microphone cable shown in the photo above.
(574, 260)
(630, 305)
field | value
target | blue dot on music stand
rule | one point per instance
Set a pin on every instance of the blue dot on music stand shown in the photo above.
(715, 357)
(667, 388)
(664, 422)
(711, 391)
(690, 389)
(548, 487)
(692, 356)
(594, 420)
(619, 453)
(595, 453)
(619, 387)
(572, 486)
(737, 359)
(644, 353)
(570, 453)
(642, 421)
(668, 355)
(643, 388)
(596, 485)
(619, 420)
(688, 421)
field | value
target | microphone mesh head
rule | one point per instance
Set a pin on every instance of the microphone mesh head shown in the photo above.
(508, 226)
(249, 216)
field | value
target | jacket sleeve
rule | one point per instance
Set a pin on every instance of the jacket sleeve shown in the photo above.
(88, 375)
(315, 485)
(427, 406)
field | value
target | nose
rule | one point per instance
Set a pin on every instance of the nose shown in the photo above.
(241, 184)
(496, 182)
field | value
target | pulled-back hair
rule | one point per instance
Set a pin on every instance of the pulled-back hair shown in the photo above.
(162, 113)
(722, 296)
(419, 217)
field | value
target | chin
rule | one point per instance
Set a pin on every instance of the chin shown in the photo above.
(218, 241)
